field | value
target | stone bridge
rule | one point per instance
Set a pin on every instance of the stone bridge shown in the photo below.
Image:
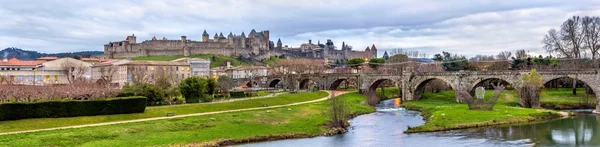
(412, 84)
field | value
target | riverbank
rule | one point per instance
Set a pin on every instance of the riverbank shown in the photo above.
(306, 120)
(442, 112)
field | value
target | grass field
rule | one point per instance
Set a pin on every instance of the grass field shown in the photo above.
(306, 119)
(219, 60)
(443, 113)
(156, 111)
(271, 60)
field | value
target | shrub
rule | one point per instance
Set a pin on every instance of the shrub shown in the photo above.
(55, 109)
(192, 89)
(376, 62)
(251, 94)
(237, 94)
(155, 95)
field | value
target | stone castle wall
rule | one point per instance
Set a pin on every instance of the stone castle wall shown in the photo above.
(228, 46)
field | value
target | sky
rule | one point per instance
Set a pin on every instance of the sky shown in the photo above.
(467, 27)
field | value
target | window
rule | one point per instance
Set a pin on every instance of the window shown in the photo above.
(39, 78)
(188, 68)
(55, 78)
(176, 76)
(201, 73)
(47, 78)
(151, 67)
(20, 78)
(30, 78)
(177, 68)
(164, 68)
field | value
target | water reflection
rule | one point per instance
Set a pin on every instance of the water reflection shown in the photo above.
(386, 127)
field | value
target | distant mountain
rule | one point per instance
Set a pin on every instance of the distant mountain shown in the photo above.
(21, 54)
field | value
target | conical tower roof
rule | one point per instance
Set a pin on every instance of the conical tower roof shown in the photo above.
(221, 35)
(230, 34)
(243, 35)
(205, 33)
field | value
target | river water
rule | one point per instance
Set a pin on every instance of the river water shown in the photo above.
(386, 126)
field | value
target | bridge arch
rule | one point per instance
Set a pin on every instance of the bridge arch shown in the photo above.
(273, 83)
(419, 88)
(305, 83)
(586, 82)
(337, 83)
(486, 83)
(371, 92)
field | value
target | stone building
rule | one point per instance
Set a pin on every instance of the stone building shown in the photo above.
(326, 51)
(40, 72)
(121, 72)
(253, 44)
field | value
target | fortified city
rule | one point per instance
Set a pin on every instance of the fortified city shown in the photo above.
(315, 74)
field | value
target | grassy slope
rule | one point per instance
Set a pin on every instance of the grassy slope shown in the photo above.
(219, 60)
(271, 61)
(443, 113)
(157, 111)
(307, 119)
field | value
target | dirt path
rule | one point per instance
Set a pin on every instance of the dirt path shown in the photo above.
(336, 93)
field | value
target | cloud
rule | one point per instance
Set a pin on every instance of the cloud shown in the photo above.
(479, 27)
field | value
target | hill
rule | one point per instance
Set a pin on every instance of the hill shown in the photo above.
(21, 54)
(215, 60)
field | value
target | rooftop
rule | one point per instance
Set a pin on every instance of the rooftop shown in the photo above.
(17, 62)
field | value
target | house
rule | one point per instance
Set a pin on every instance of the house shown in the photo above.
(44, 72)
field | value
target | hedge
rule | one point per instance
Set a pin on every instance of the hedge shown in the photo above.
(55, 109)
(237, 94)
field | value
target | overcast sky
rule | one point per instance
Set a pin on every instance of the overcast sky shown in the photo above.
(467, 27)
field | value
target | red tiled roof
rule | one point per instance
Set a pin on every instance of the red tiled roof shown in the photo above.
(17, 62)
(373, 47)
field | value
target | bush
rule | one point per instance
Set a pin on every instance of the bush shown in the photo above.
(251, 94)
(376, 62)
(237, 94)
(193, 89)
(55, 109)
(155, 95)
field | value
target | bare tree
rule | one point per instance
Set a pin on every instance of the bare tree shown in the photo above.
(139, 74)
(338, 112)
(73, 71)
(505, 55)
(591, 31)
(107, 74)
(554, 43)
(572, 33)
(519, 54)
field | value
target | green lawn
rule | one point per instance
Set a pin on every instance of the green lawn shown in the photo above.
(271, 60)
(389, 93)
(443, 113)
(156, 111)
(303, 120)
(219, 60)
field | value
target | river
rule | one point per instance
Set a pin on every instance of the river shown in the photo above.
(386, 126)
